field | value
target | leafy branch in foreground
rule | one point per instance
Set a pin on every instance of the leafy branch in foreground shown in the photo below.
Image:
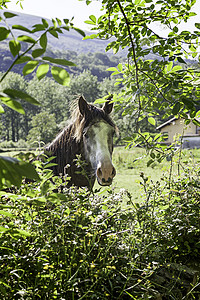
(33, 57)
(157, 76)
(12, 171)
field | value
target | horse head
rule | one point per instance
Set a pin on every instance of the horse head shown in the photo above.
(98, 139)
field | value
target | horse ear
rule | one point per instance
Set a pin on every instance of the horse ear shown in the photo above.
(108, 106)
(83, 106)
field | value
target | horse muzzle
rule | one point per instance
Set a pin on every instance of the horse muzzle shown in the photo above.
(105, 174)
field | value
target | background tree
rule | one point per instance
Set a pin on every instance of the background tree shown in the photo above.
(55, 98)
(15, 124)
(43, 129)
(85, 84)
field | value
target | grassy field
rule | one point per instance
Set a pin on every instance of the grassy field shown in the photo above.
(130, 163)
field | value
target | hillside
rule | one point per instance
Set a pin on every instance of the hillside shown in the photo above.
(86, 54)
(70, 40)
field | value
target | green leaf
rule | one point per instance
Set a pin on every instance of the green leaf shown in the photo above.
(188, 103)
(120, 67)
(176, 108)
(59, 22)
(60, 75)
(58, 30)
(54, 33)
(38, 27)
(196, 122)
(21, 95)
(150, 162)
(115, 48)
(58, 61)
(45, 23)
(66, 21)
(181, 60)
(54, 23)
(42, 70)
(4, 33)
(15, 47)
(7, 214)
(93, 18)
(112, 69)
(1, 109)
(89, 22)
(12, 171)
(8, 175)
(23, 59)
(197, 25)
(99, 101)
(43, 40)
(79, 31)
(152, 121)
(22, 28)
(175, 29)
(90, 37)
(9, 15)
(23, 232)
(38, 52)
(27, 170)
(26, 38)
(30, 67)
(152, 155)
(169, 66)
(176, 68)
(13, 104)
(3, 229)
(65, 28)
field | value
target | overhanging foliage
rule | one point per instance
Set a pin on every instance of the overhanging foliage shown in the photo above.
(165, 84)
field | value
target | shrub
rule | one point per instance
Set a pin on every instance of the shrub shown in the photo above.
(10, 144)
(7, 144)
(82, 245)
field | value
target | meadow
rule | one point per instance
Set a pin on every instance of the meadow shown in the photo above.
(130, 163)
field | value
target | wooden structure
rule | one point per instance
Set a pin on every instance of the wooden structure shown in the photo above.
(175, 129)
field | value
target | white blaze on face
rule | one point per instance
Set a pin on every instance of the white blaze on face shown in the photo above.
(98, 148)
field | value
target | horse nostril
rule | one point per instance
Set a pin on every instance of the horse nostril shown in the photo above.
(99, 172)
(113, 172)
(103, 180)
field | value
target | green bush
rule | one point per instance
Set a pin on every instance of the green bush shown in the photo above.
(101, 245)
(7, 144)
(10, 144)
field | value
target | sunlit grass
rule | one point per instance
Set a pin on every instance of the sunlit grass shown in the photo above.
(130, 163)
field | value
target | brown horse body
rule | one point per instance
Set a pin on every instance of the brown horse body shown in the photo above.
(81, 138)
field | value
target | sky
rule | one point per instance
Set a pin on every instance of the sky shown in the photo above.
(60, 8)
(80, 11)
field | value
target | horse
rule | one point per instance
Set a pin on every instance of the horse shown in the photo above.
(90, 136)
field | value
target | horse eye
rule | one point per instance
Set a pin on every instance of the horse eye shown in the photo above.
(86, 135)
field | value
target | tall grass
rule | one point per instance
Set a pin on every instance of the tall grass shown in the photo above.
(79, 245)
